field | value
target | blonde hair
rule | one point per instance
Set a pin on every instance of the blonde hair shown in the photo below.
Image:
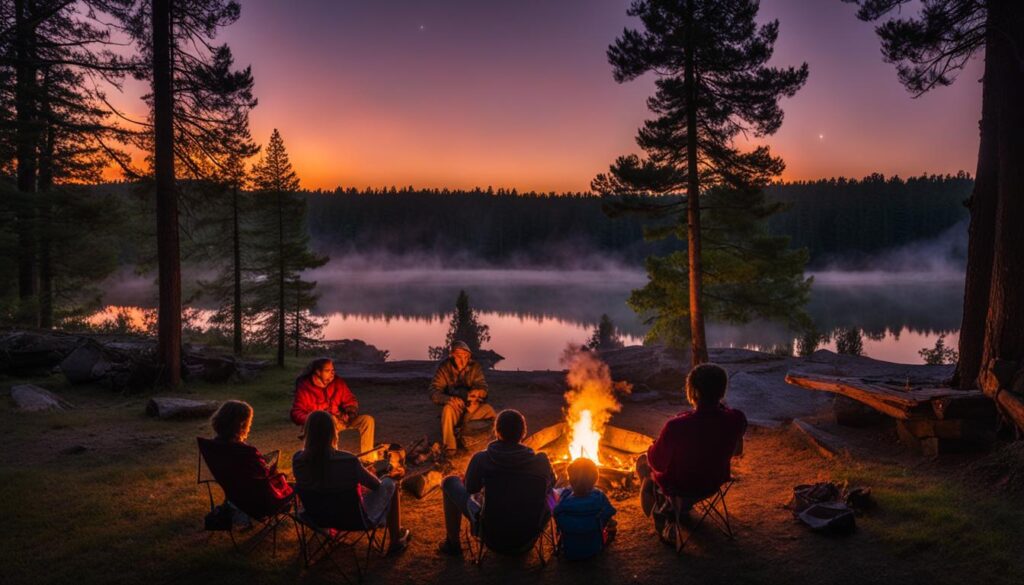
(583, 474)
(232, 420)
(321, 438)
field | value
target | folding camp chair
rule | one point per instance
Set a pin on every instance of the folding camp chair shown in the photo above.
(516, 508)
(328, 519)
(711, 507)
(268, 518)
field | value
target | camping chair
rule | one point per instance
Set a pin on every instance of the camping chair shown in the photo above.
(514, 518)
(266, 515)
(328, 519)
(709, 506)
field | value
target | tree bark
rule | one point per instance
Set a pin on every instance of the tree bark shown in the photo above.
(1004, 333)
(280, 279)
(236, 312)
(27, 141)
(46, 163)
(698, 340)
(982, 205)
(168, 253)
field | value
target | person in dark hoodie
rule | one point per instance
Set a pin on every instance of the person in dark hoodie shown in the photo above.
(503, 459)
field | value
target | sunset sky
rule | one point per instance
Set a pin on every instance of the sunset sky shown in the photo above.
(518, 93)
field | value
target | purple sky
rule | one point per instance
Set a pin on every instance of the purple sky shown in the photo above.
(518, 93)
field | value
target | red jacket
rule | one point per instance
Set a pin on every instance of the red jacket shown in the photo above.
(693, 453)
(336, 399)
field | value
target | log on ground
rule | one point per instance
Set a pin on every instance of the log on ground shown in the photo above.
(167, 407)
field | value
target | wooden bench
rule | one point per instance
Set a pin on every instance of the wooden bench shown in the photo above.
(929, 418)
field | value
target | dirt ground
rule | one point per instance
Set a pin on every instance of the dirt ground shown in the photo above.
(157, 459)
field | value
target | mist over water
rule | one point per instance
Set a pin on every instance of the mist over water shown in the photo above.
(902, 300)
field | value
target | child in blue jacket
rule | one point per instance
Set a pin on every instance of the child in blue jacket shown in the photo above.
(583, 514)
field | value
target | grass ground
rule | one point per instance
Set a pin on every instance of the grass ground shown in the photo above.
(102, 494)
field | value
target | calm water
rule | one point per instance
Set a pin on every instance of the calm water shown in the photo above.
(533, 314)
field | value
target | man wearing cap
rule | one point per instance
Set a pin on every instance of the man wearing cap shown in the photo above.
(459, 387)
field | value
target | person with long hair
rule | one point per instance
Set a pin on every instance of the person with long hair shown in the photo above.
(318, 388)
(241, 463)
(321, 466)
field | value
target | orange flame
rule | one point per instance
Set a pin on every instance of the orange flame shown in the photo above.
(590, 402)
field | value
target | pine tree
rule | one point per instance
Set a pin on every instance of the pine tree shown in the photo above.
(929, 49)
(282, 253)
(186, 72)
(605, 335)
(463, 327)
(712, 84)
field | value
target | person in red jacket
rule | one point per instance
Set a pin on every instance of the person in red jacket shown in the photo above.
(317, 388)
(691, 457)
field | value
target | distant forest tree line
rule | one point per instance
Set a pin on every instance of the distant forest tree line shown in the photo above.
(832, 218)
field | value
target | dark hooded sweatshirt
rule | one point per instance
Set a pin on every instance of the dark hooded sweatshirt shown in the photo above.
(502, 463)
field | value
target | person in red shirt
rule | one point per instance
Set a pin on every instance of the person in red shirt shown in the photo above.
(691, 457)
(317, 388)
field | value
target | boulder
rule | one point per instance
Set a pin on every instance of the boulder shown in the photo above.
(655, 366)
(31, 398)
(354, 351)
(28, 352)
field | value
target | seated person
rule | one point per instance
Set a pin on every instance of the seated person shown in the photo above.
(583, 514)
(249, 480)
(322, 467)
(691, 457)
(505, 465)
(459, 387)
(317, 388)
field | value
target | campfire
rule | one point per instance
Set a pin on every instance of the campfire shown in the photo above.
(591, 401)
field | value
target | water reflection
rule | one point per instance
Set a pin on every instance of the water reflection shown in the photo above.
(534, 313)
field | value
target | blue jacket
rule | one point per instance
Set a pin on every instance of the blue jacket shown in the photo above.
(581, 521)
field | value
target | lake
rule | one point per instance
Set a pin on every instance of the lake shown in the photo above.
(533, 314)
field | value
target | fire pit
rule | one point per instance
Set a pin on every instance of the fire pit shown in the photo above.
(590, 403)
(616, 453)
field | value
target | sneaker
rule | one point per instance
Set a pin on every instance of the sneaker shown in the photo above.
(448, 549)
(402, 543)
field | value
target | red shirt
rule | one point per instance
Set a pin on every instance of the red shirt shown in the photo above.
(335, 399)
(693, 452)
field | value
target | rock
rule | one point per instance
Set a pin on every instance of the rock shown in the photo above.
(28, 352)
(176, 408)
(655, 366)
(487, 358)
(31, 398)
(354, 351)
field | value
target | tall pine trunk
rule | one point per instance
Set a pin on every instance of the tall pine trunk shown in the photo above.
(982, 205)
(698, 341)
(236, 309)
(168, 254)
(298, 315)
(46, 163)
(1003, 357)
(280, 279)
(27, 143)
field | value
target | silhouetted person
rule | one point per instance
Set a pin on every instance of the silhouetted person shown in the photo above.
(322, 467)
(691, 457)
(514, 480)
